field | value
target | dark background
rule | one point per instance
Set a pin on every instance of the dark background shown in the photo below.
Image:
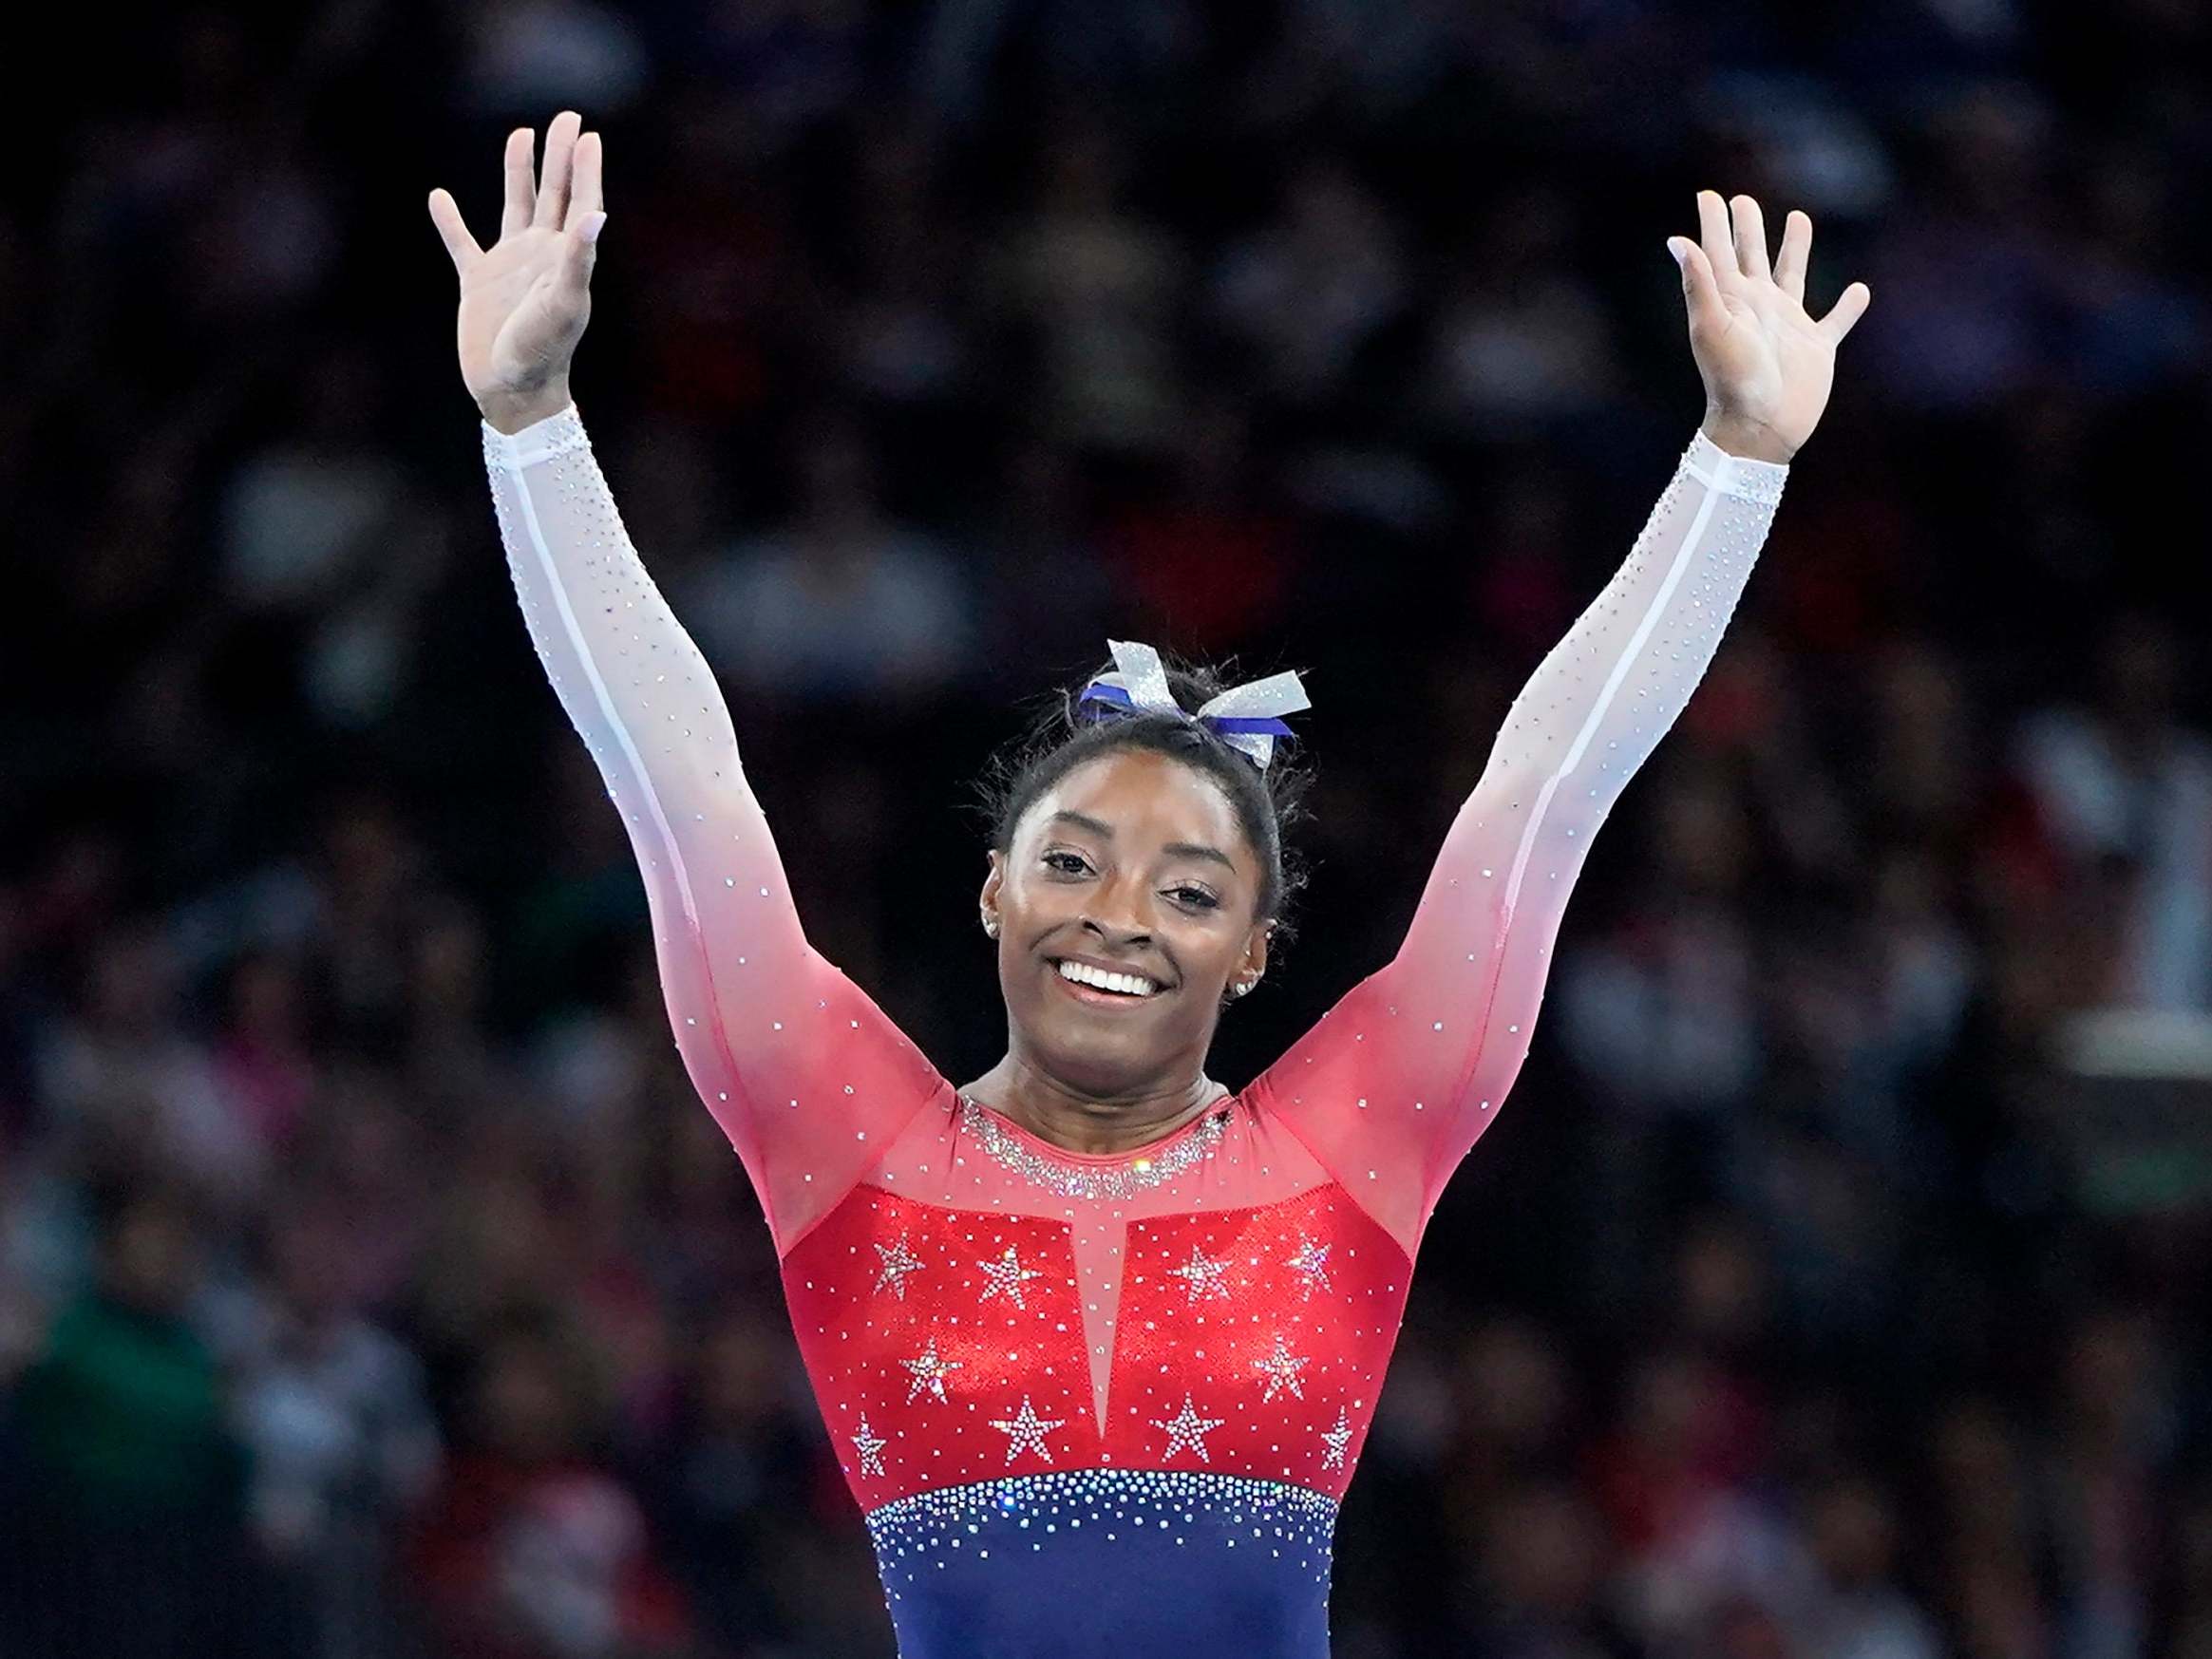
(370, 1283)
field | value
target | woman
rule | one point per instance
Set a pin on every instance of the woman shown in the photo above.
(1097, 1340)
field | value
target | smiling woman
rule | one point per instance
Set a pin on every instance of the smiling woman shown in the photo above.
(1097, 1340)
(1137, 868)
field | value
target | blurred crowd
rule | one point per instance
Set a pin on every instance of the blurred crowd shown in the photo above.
(372, 1286)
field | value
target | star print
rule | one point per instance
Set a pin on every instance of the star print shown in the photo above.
(1027, 1431)
(1312, 1261)
(1336, 1439)
(1202, 1278)
(1187, 1427)
(930, 1374)
(1282, 1369)
(898, 1262)
(1007, 1275)
(870, 1448)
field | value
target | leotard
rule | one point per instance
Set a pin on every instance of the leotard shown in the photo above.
(1102, 1405)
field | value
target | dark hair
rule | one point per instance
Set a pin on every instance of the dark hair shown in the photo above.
(1067, 733)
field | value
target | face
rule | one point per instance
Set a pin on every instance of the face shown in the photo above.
(1134, 864)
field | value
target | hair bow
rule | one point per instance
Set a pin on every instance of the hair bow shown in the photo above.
(1247, 717)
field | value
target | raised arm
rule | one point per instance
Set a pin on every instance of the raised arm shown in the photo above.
(1401, 1078)
(805, 1075)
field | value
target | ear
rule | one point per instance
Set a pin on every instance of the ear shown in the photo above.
(991, 883)
(1255, 962)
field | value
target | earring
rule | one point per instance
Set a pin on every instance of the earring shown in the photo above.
(1241, 987)
(991, 926)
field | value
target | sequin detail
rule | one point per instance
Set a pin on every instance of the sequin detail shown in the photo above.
(1085, 1180)
(1187, 1428)
(870, 1447)
(1079, 1508)
(1336, 1439)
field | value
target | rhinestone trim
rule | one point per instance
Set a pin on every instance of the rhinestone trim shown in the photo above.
(1064, 1508)
(1084, 1181)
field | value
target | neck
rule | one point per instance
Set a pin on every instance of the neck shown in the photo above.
(1080, 1122)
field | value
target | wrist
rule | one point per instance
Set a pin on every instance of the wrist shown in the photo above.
(510, 412)
(1747, 438)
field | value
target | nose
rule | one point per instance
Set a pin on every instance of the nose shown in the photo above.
(1108, 933)
(1116, 915)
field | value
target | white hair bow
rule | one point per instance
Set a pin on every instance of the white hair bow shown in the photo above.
(1247, 717)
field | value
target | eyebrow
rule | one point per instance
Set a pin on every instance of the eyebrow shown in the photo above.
(1105, 832)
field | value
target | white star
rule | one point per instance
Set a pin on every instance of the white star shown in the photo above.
(870, 1448)
(1187, 1427)
(1027, 1431)
(1282, 1369)
(930, 1373)
(898, 1262)
(1312, 1261)
(1336, 1439)
(1007, 1275)
(1204, 1279)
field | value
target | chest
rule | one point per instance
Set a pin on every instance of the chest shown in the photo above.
(961, 1329)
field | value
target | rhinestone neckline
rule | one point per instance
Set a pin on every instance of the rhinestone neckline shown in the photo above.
(1070, 1178)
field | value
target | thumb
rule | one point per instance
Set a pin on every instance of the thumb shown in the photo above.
(583, 251)
(1700, 292)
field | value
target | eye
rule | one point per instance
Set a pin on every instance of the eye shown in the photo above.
(1198, 898)
(1075, 863)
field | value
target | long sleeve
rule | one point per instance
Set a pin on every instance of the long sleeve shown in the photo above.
(1397, 1083)
(805, 1075)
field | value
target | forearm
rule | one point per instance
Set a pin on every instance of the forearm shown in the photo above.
(1599, 702)
(639, 692)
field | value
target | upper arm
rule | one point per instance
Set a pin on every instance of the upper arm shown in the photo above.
(1397, 1083)
(808, 1078)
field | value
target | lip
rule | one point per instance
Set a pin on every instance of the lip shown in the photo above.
(1100, 999)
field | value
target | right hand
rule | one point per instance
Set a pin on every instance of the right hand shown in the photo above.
(524, 301)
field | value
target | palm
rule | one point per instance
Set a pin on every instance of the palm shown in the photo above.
(525, 300)
(515, 320)
(1767, 364)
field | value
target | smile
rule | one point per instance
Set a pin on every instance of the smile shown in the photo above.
(1099, 984)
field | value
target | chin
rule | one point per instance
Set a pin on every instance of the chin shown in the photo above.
(1085, 1054)
(1099, 1062)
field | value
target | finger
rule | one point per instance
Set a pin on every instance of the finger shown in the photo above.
(582, 251)
(1848, 310)
(521, 181)
(1712, 235)
(1751, 240)
(1789, 265)
(453, 230)
(1700, 293)
(583, 194)
(561, 144)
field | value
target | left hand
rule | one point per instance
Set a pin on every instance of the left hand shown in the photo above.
(1767, 365)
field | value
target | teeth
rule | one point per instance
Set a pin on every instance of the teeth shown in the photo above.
(1127, 984)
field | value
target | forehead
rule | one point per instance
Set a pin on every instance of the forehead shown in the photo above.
(1147, 796)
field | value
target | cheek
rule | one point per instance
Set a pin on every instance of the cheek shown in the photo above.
(1208, 959)
(1029, 918)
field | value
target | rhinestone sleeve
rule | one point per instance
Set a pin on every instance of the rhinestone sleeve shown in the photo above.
(1400, 1078)
(803, 1071)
